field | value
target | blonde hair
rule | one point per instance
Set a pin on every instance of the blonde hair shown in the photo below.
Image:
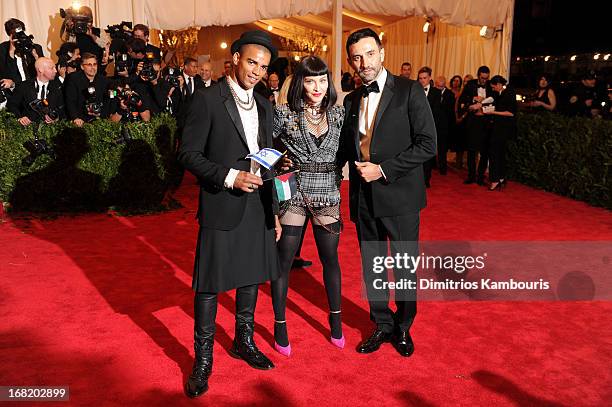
(284, 90)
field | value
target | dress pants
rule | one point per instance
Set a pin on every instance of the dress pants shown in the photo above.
(374, 236)
(205, 310)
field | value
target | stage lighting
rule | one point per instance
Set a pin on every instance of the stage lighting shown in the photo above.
(596, 57)
(296, 58)
(488, 32)
(324, 47)
(546, 58)
(427, 26)
(76, 5)
(573, 58)
(223, 45)
(270, 28)
(606, 57)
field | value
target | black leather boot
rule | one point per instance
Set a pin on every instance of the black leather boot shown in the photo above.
(244, 347)
(197, 384)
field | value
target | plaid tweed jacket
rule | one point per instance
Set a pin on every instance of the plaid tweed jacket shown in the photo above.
(319, 176)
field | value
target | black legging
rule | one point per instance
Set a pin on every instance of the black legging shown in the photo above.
(327, 246)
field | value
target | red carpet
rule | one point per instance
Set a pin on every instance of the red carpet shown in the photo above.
(102, 304)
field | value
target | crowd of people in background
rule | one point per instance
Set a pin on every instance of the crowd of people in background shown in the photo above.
(474, 116)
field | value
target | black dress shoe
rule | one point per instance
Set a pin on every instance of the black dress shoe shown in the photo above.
(468, 181)
(402, 342)
(480, 181)
(372, 344)
(244, 348)
(197, 384)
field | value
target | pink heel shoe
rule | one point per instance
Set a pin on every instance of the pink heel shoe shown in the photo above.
(338, 342)
(283, 350)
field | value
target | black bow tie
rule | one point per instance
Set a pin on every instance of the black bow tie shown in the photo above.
(274, 90)
(367, 89)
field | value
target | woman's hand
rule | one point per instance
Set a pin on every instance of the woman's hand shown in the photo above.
(278, 229)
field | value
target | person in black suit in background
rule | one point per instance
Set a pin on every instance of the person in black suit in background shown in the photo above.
(388, 133)
(43, 88)
(473, 94)
(447, 123)
(141, 31)
(434, 97)
(206, 72)
(238, 212)
(503, 129)
(14, 67)
(85, 91)
(190, 84)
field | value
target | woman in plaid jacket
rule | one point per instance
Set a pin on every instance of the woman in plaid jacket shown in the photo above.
(309, 127)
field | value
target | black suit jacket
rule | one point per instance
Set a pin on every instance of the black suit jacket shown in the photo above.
(213, 142)
(25, 92)
(404, 137)
(434, 97)
(75, 95)
(448, 109)
(186, 98)
(8, 65)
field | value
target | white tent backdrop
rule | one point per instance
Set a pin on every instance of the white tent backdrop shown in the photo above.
(454, 47)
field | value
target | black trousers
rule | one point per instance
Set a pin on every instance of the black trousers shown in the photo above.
(205, 310)
(482, 163)
(497, 153)
(442, 142)
(375, 235)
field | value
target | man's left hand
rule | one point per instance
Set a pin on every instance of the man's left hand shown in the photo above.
(368, 171)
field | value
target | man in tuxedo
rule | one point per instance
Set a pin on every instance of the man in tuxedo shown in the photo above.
(406, 70)
(206, 74)
(434, 97)
(86, 93)
(474, 92)
(14, 67)
(447, 124)
(141, 31)
(237, 212)
(190, 84)
(43, 88)
(273, 83)
(388, 134)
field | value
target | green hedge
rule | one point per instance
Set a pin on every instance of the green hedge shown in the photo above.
(570, 156)
(91, 171)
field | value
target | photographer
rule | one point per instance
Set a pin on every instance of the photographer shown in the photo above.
(86, 93)
(78, 27)
(130, 61)
(40, 98)
(17, 55)
(130, 105)
(160, 93)
(68, 60)
(141, 31)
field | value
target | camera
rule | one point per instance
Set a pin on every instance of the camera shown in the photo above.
(172, 76)
(121, 31)
(66, 61)
(24, 43)
(92, 106)
(148, 72)
(36, 148)
(42, 108)
(81, 26)
(123, 62)
(130, 99)
(4, 95)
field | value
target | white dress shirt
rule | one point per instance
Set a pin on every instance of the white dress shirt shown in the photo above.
(208, 83)
(39, 87)
(250, 123)
(370, 104)
(20, 67)
(426, 89)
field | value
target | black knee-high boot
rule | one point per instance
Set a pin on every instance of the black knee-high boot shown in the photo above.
(205, 312)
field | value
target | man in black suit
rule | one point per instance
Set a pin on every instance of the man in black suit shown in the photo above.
(43, 88)
(447, 124)
(237, 212)
(190, 84)
(434, 97)
(206, 74)
(86, 92)
(141, 31)
(14, 67)
(388, 134)
(474, 92)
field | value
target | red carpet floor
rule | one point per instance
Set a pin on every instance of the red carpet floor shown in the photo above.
(103, 304)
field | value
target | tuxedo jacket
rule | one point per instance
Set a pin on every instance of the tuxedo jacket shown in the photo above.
(25, 92)
(8, 65)
(75, 92)
(448, 108)
(434, 97)
(213, 142)
(186, 99)
(404, 137)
